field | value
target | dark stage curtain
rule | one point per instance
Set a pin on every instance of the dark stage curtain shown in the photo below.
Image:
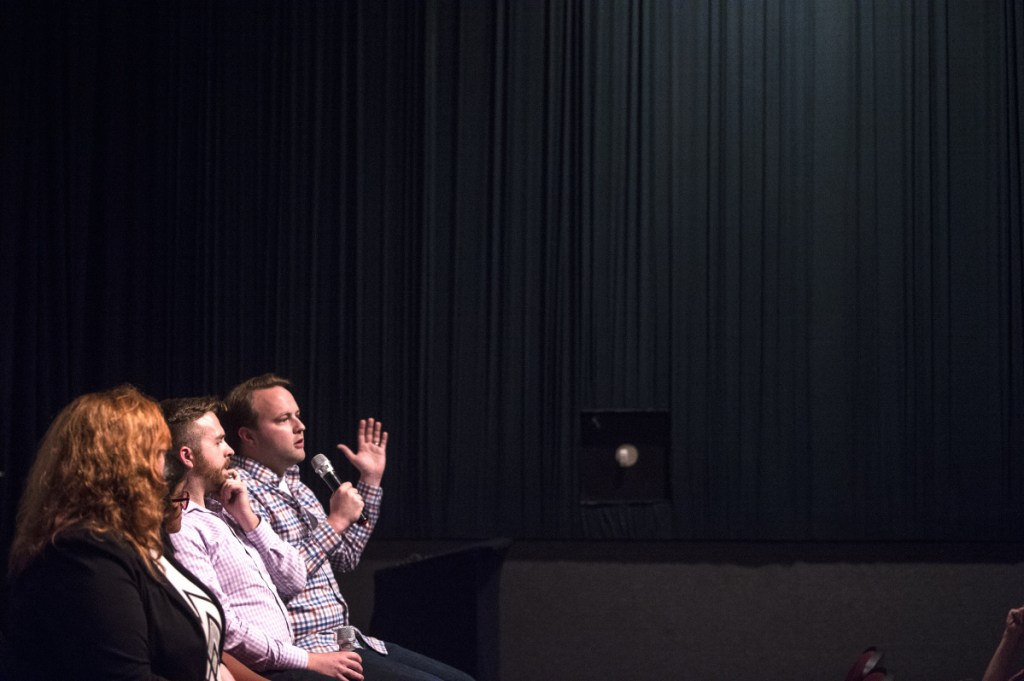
(795, 227)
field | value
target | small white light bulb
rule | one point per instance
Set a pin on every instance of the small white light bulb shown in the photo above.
(626, 455)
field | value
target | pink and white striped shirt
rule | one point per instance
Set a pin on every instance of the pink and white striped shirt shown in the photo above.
(246, 571)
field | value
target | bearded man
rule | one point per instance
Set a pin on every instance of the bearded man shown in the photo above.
(250, 569)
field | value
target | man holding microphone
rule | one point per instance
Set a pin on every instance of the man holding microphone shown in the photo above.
(264, 425)
(239, 557)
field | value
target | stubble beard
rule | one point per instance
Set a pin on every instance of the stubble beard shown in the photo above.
(213, 478)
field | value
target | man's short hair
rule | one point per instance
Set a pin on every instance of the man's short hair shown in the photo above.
(238, 410)
(181, 414)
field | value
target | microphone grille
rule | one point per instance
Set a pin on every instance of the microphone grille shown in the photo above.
(321, 464)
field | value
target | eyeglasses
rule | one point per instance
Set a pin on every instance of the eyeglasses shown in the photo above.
(183, 500)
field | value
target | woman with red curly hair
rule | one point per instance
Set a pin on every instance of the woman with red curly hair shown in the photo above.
(93, 595)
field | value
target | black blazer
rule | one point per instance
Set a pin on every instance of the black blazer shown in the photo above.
(87, 608)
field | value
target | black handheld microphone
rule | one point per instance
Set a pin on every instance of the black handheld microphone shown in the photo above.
(323, 468)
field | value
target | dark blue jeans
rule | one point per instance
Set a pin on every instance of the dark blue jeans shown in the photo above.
(295, 675)
(405, 665)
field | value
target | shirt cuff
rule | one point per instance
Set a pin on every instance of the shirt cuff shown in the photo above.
(293, 657)
(371, 498)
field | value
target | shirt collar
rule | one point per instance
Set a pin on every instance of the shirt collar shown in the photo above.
(195, 508)
(262, 473)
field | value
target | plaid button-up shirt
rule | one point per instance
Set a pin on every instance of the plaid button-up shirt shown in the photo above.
(319, 609)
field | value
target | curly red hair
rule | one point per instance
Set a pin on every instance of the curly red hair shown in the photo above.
(99, 468)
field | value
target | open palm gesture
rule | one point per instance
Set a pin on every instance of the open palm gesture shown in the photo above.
(371, 457)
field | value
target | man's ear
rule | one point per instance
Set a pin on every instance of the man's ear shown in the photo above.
(187, 456)
(246, 435)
